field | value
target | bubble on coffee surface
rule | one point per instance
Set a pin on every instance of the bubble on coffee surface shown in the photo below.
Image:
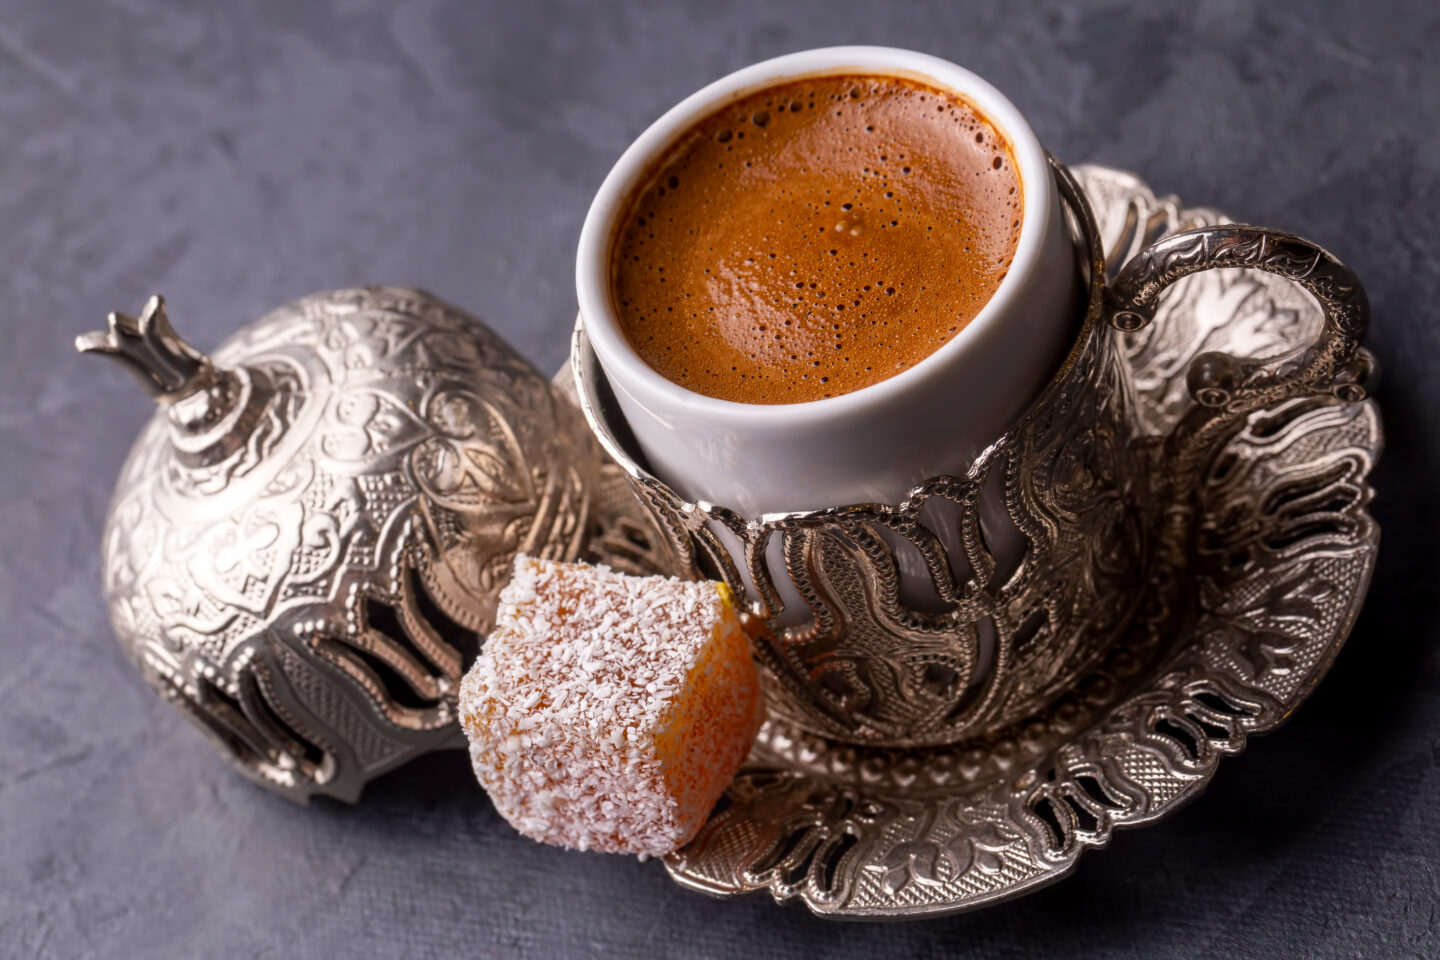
(814, 238)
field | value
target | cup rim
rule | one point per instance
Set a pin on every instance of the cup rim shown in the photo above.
(595, 389)
(628, 371)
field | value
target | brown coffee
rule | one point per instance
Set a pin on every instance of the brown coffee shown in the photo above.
(815, 237)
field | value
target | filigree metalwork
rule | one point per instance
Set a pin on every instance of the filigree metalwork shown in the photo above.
(1077, 481)
(1260, 566)
(309, 537)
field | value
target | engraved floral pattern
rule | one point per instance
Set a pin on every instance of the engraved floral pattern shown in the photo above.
(307, 590)
(1275, 566)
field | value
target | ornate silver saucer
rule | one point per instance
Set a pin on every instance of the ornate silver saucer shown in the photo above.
(1283, 557)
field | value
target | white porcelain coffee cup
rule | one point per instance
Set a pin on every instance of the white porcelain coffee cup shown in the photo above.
(876, 443)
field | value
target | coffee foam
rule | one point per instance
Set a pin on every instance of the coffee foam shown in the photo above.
(814, 238)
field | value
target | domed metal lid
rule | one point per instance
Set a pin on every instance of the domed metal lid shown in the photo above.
(307, 540)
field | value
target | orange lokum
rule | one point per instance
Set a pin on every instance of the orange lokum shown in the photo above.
(609, 712)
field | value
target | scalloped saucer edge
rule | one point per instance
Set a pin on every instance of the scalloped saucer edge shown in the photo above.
(1285, 551)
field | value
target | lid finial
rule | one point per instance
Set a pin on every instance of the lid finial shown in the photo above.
(167, 367)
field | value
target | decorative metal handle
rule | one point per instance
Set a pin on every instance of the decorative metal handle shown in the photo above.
(1227, 388)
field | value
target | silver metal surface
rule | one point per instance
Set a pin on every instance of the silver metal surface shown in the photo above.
(309, 537)
(1262, 552)
(1103, 508)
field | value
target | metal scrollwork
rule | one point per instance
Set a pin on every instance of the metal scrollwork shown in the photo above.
(308, 540)
(1258, 565)
(861, 662)
(1103, 508)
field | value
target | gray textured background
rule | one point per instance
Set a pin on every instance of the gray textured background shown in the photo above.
(235, 156)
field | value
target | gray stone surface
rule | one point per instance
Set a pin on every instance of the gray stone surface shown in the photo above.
(237, 155)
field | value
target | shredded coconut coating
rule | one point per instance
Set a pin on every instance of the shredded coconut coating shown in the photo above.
(609, 712)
